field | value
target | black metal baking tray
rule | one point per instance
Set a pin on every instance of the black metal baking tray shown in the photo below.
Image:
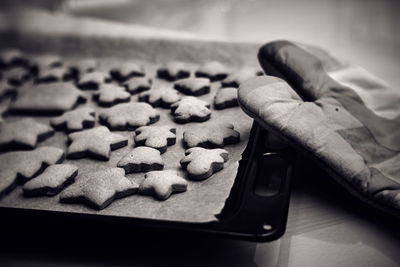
(255, 210)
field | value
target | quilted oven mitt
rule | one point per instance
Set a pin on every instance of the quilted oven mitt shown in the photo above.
(341, 115)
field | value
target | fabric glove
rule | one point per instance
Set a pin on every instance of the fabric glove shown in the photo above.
(340, 115)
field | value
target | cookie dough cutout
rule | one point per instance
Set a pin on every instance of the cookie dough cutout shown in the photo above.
(213, 70)
(53, 98)
(110, 94)
(173, 71)
(236, 78)
(99, 189)
(17, 167)
(160, 97)
(158, 137)
(226, 98)
(52, 181)
(161, 184)
(193, 86)
(95, 143)
(190, 109)
(201, 163)
(92, 80)
(23, 134)
(75, 120)
(129, 116)
(211, 136)
(137, 85)
(127, 71)
(141, 159)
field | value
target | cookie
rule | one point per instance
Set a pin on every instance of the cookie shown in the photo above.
(211, 135)
(78, 68)
(236, 78)
(56, 74)
(129, 116)
(46, 98)
(52, 181)
(158, 137)
(173, 71)
(189, 109)
(201, 163)
(16, 76)
(20, 166)
(94, 143)
(141, 159)
(226, 98)
(75, 120)
(127, 71)
(111, 94)
(161, 184)
(23, 134)
(213, 70)
(193, 86)
(160, 97)
(38, 63)
(92, 80)
(6, 89)
(137, 85)
(99, 188)
(11, 57)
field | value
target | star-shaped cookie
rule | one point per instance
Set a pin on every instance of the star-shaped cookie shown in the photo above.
(160, 97)
(95, 143)
(75, 120)
(52, 181)
(16, 76)
(99, 188)
(158, 137)
(201, 163)
(20, 166)
(213, 70)
(53, 98)
(189, 109)
(193, 86)
(111, 94)
(173, 71)
(92, 80)
(127, 71)
(129, 116)
(211, 135)
(82, 66)
(234, 79)
(137, 85)
(226, 98)
(49, 74)
(161, 184)
(23, 134)
(141, 159)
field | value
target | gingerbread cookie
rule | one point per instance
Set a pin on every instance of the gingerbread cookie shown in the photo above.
(201, 163)
(111, 94)
(23, 134)
(129, 116)
(82, 66)
(92, 80)
(99, 188)
(11, 57)
(75, 120)
(189, 109)
(56, 74)
(46, 98)
(160, 97)
(226, 98)
(6, 89)
(127, 71)
(16, 76)
(173, 71)
(213, 70)
(95, 143)
(141, 159)
(161, 184)
(193, 86)
(137, 85)
(52, 181)
(158, 137)
(211, 135)
(20, 166)
(41, 62)
(236, 78)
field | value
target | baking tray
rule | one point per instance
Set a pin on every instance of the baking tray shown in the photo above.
(256, 208)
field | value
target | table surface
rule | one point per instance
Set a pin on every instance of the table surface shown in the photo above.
(326, 226)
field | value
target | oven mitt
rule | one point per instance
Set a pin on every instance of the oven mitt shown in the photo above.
(342, 116)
